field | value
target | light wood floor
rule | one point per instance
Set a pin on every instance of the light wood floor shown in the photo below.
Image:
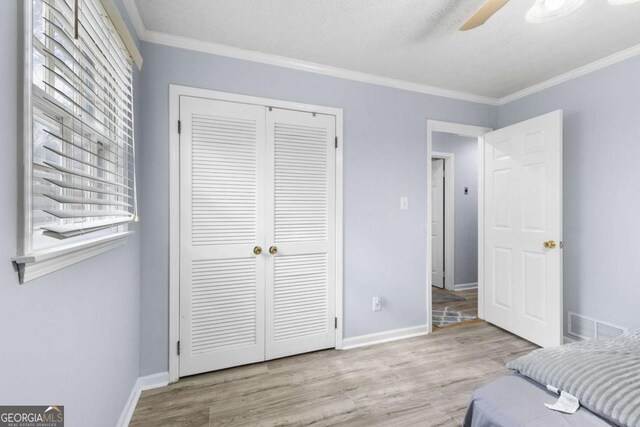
(422, 381)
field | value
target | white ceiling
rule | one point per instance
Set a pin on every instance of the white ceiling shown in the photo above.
(410, 40)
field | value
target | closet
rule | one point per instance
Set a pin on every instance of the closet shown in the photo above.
(257, 233)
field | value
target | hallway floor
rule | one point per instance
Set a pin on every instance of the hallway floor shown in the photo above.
(449, 313)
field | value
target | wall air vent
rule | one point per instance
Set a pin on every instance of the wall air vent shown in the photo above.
(586, 328)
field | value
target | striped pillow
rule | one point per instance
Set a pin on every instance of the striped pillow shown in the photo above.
(603, 374)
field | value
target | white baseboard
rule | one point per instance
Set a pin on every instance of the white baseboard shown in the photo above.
(386, 336)
(148, 382)
(130, 406)
(465, 286)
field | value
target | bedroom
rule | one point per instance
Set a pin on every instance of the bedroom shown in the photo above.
(93, 329)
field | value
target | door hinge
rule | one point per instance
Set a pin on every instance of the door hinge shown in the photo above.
(335, 322)
(179, 126)
(178, 348)
(336, 142)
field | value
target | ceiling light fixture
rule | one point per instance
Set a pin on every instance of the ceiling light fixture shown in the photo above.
(550, 10)
(619, 2)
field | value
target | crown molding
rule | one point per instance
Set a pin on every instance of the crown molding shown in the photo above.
(575, 73)
(296, 64)
(187, 43)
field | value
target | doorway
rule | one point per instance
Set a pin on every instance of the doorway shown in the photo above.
(519, 260)
(452, 304)
(454, 229)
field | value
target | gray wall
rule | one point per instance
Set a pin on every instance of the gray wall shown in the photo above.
(385, 158)
(71, 337)
(78, 330)
(601, 188)
(465, 151)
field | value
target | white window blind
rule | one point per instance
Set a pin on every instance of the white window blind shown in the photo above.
(83, 173)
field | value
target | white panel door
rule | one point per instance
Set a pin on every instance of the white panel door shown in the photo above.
(300, 184)
(523, 211)
(437, 222)
(222, 212)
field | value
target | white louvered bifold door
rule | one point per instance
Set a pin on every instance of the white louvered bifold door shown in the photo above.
(222, 219)
(300, 277)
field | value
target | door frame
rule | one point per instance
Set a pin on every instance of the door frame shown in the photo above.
(175, 92)
(472, 132)
(449, 217)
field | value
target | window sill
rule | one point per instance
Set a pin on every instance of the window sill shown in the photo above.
(38, 264)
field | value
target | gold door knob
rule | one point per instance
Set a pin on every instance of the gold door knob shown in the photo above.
(257, 250)
(273, 250)
(550, 244)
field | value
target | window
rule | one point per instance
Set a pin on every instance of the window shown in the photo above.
(79, 183)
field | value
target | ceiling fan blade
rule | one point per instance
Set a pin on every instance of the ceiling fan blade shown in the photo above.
(483, 14)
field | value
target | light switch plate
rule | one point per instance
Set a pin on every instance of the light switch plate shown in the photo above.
(377, 303)
(404, 203)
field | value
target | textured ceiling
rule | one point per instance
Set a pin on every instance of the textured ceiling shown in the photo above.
(412, 40)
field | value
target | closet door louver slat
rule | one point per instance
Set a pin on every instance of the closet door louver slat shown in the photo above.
(301, 224)
(252, 176)
(212, 293)
(216, 191)
(222, 204)
(299, 280)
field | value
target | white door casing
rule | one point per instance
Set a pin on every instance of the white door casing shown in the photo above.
(245, 169)
(437, 222)
(523, 209)
(222, 208)
(176, 94)
(472, 132)
(301, 189)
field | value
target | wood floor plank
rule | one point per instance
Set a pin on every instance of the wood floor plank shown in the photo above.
(425, 380)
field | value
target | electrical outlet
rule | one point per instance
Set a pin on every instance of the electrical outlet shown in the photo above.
(377, 303)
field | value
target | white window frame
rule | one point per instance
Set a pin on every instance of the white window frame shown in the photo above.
(28, 263)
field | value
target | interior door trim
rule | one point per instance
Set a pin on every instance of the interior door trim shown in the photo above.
(177, 91)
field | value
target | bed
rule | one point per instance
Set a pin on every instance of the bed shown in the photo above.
(603, 374)
(515, 400)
